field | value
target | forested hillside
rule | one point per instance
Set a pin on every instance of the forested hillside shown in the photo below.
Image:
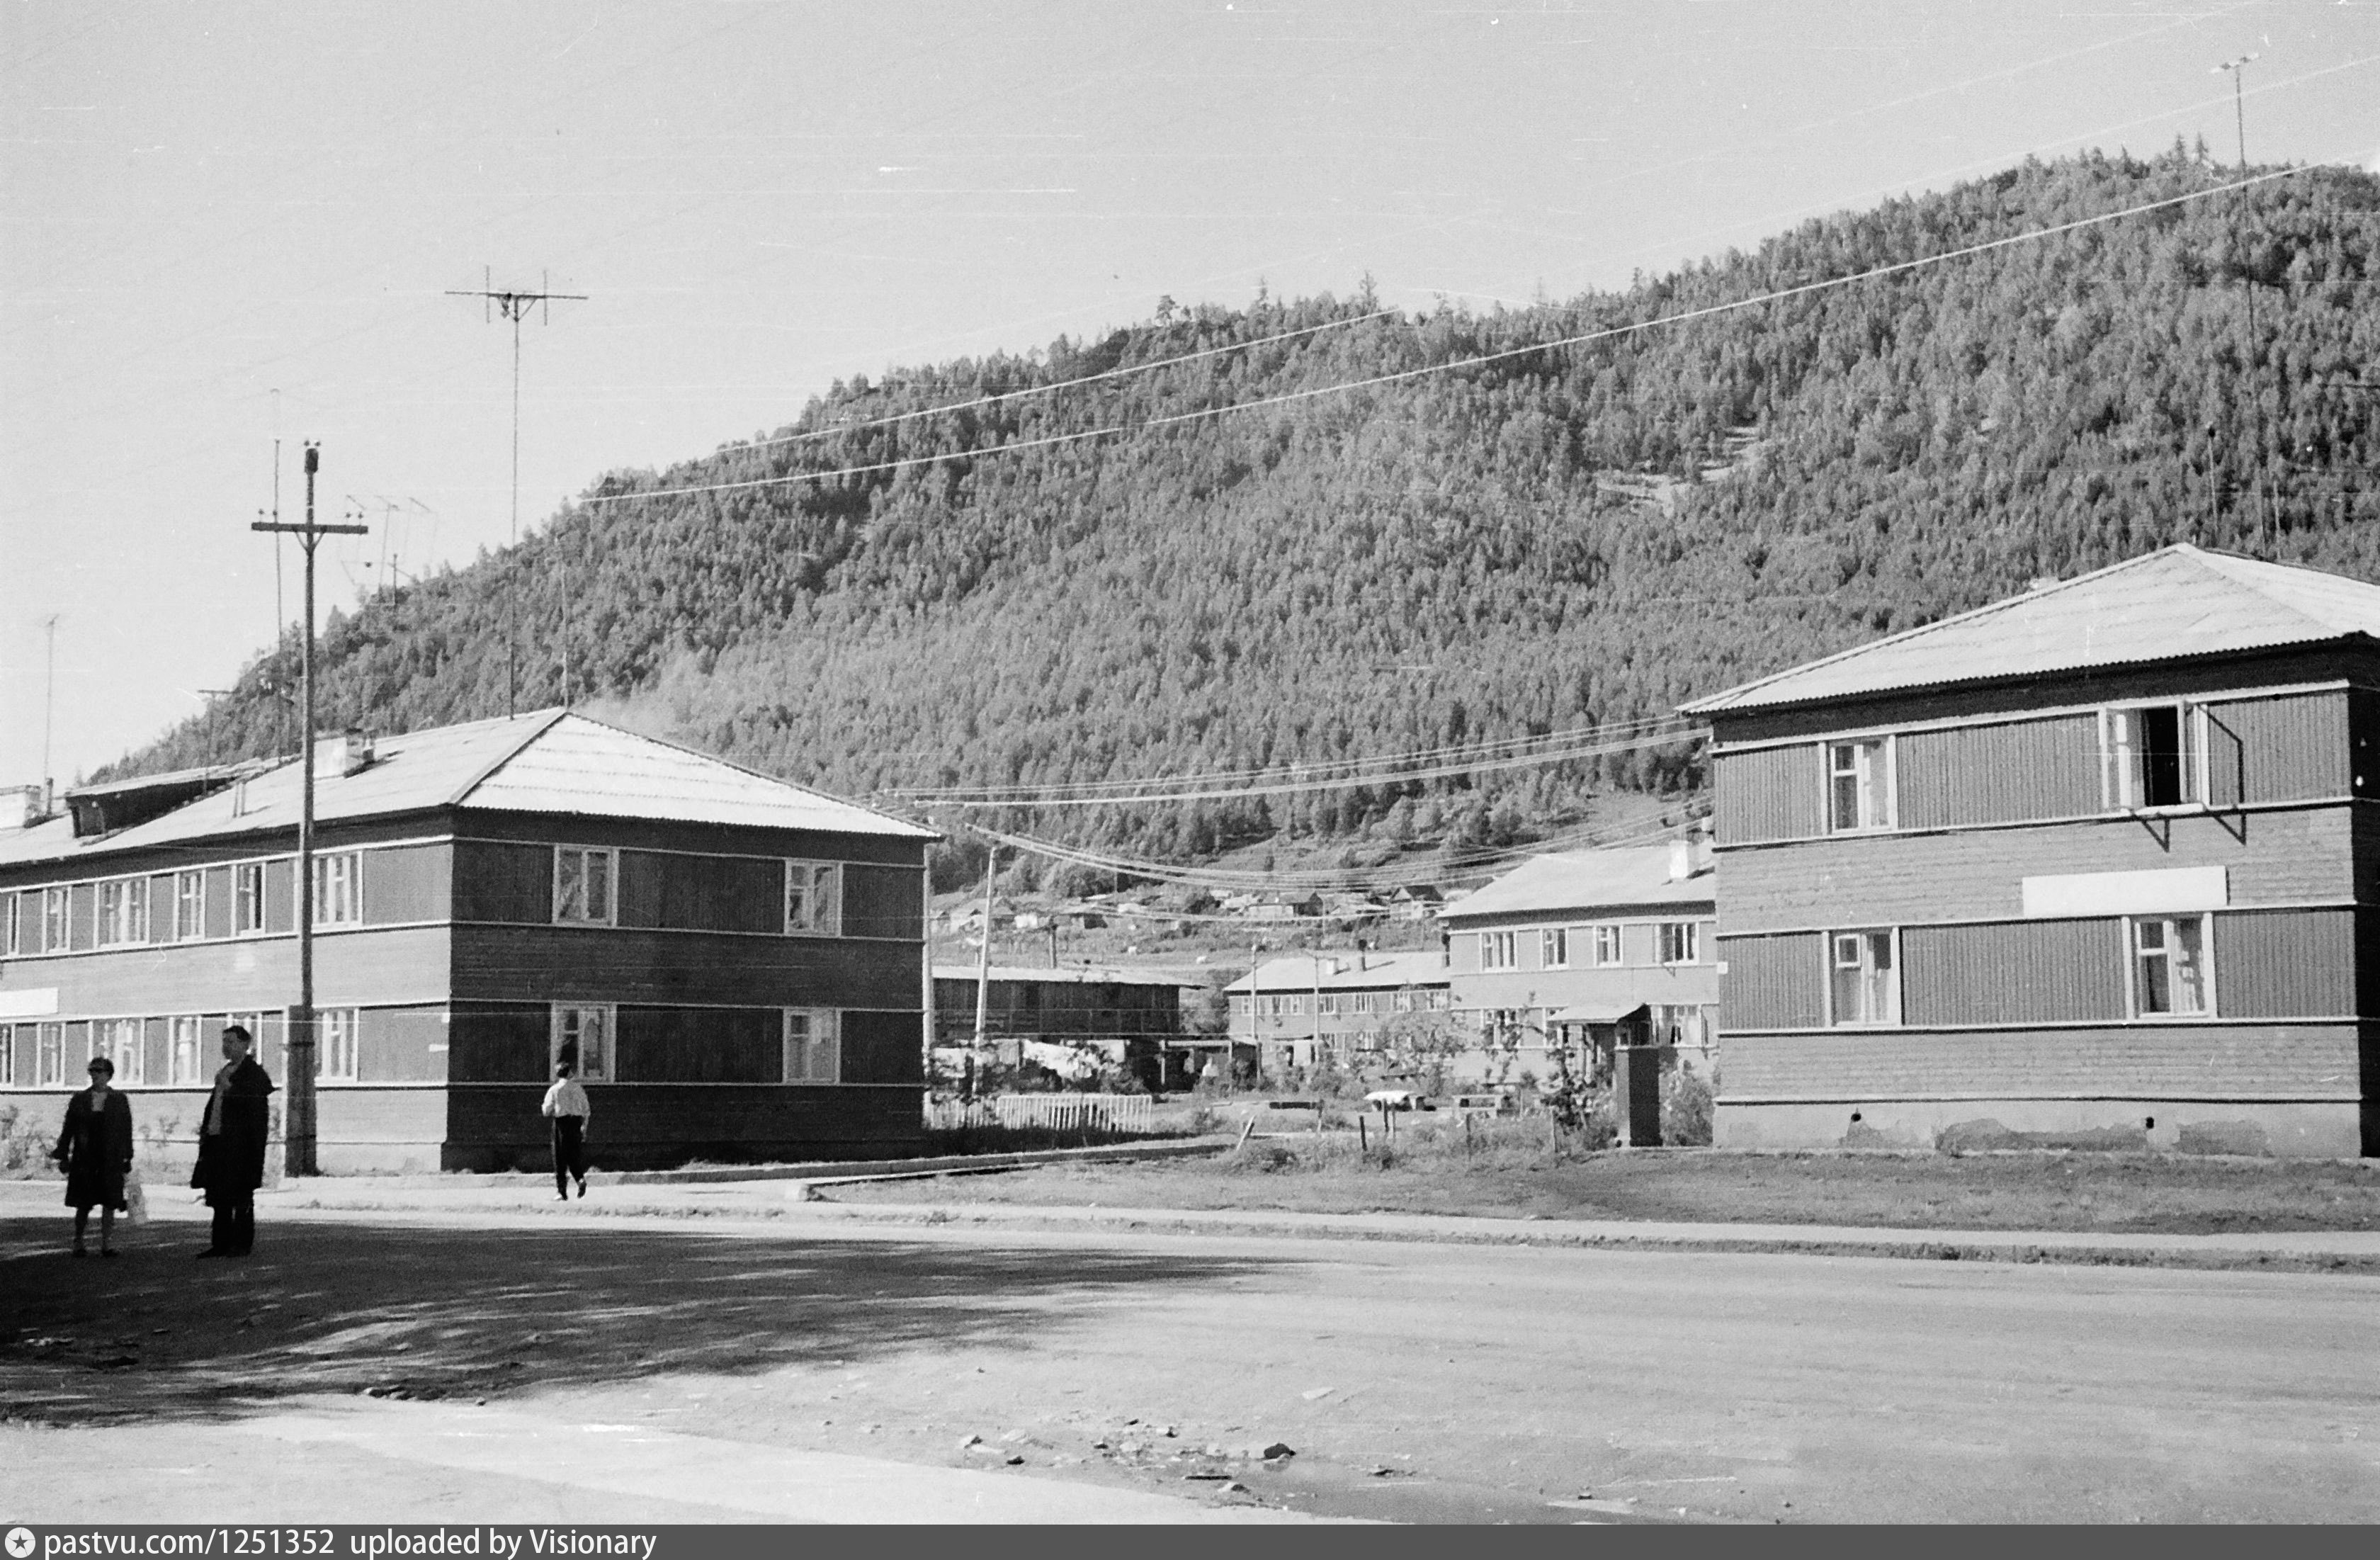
(1579, 535)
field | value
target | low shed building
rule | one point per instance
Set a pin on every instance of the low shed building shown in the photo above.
(736, 965)
(2097, 864)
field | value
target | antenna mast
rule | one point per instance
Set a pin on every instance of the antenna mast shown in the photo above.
(514, 304)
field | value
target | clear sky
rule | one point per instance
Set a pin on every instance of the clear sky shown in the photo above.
(218, 222)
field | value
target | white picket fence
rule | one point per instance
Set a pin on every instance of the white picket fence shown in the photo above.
(1061, 1113)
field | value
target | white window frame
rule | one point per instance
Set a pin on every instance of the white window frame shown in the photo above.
(1865, 941)
(1553, 947)
(572, 903)
(186, 1046)
(567, 1025)
(1402, 1002)
(123, 913)
(2135, 957)
(125, 1045)
(1609, 952)
(2122, 778)
(1689, 936)
(1876, 787)
(812, 1045)
(339, 888)
(49, 1055)
(57, 920)
(15, 930)
(338, 1044)
(189, 904)
(246, 899)
(1499, 950)
(1325, 1004)
(814, 898)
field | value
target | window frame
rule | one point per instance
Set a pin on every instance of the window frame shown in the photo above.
(1499, 951)
(559, 1015)
(248, 895)
(185, 879)
(1553, 947)
(57, 920)
(1692, 938)
(2134, 959)
(822, 1035)
(562, 898)
(125, 1042)
(1869, 939)
(50, 1053)
(12, 935)
(193, 1026)
(338, 1034)
(342, 870)
(123, 914)
(2123, 779)
(813, 899)
(1881, 787)
(1605, 934)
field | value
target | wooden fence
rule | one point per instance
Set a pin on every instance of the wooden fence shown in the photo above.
(1061, 1113)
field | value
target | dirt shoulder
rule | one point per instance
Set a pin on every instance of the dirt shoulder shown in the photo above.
(2065, 1192)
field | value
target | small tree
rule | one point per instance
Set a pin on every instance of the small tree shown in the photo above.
(1422, 1043)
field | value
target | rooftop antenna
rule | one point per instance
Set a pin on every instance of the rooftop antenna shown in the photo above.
(514, 304)
(2236, 69)
(49, 712)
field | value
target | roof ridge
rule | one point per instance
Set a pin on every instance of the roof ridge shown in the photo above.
(2213, 558)
(2004, 604)
(487, 772)
(741, 768)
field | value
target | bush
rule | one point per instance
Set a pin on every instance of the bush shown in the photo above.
(1686, 1109)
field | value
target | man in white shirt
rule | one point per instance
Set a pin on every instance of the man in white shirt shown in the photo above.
(566, 1106)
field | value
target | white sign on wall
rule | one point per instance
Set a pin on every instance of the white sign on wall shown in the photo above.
(2172, 890)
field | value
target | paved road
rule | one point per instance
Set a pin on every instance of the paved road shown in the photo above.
(1414, 1381)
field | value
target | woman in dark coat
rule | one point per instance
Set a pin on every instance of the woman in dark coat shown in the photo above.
(96, 1151)
(232, 1137)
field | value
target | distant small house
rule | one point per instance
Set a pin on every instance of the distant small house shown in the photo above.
(1286, 907)
(1417, 902)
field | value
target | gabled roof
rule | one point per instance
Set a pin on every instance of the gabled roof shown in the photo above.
(1588, 882)
(550, 761)
(2174, 603)
(1358, 972)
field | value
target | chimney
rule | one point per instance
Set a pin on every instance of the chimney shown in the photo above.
(18, 809)
(348, 754)
(1681, 859)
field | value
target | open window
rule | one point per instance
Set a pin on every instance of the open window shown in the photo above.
(582, 1036)
(585, 886)
(813, 1045)
(2170, 974)
(1865, 978)
(1859, 786)
(2151, 756)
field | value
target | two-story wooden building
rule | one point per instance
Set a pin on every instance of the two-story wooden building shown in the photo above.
(1127, 1016)
(1583, 950)
(1304, 1009)
(2095, 864)
(736, 965)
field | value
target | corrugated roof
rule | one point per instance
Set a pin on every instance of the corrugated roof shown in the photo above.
(1357, 972)
(1586, 881)
(2170, 604)
(549, 762)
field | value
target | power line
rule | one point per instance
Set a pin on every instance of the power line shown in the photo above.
(1479, 361)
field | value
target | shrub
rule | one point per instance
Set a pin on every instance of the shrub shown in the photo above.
(1686, 1109)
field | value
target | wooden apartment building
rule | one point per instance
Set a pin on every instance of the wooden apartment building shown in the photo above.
(736, 965)
(2100, 864)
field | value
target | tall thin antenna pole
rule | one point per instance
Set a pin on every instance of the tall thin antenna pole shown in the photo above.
(49, 712)
(298, 1116)
(515, 304)
(983, 965)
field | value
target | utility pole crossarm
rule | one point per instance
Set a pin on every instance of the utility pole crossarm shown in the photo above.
(309, 529)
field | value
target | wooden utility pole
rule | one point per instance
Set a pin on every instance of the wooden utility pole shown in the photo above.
(983, 965)
(298, 1115)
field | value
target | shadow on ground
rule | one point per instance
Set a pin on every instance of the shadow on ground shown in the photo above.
(474, 1314)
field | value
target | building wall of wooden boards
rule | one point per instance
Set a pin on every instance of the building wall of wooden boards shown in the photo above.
(2313, 1129)
(2289, 856)
(1695, 985)
(352, 967)
(1056, 1008)
(497, 1127)
(605, 964)
(2221, 1061)
(400, 883)
(1640, 939)
(698, 839)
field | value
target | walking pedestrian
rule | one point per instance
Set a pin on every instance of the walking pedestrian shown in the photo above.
(567, 1107)
(95, 1150)
(231, 1145)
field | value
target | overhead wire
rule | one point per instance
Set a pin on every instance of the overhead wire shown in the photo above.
(1454, 365)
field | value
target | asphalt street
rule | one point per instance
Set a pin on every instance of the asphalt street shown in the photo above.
(1411, 1380)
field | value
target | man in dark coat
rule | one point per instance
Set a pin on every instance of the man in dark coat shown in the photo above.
(231, 1145)
(96, 1150)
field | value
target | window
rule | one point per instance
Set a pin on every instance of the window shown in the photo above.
(14, 933)
(247, 896)
(336, 1050)
(54, 920)
(2148, 758)
(1678, 1024)
(339, 889)
(190, 906)
(1325, 1004)
(1865, 986)
(123, 912)
(582, 1036)
(2169, 973)
(1607, 947)
(1859, 786)
(8, 1050)
(185, 1053)
(1404, 1001)
(1680, 942)
(1240, 1005)
(1440, 1000)
(814, 898)
(813, 1046)
(1368, 1002)
(119, 1039)
(50, 1055)
(583, 884)
(1553, 947)
(1499, 950)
